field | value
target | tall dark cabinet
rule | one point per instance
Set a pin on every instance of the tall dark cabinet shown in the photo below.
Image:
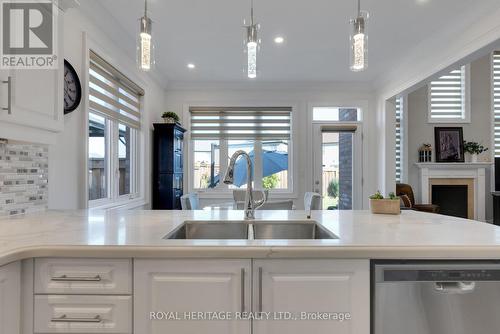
(168, 174)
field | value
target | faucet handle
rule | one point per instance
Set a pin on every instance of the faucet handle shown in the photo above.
(260, 202)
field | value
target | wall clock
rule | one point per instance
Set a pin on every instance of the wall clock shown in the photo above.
(72, 88)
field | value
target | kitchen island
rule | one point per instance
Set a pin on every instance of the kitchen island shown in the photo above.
(140, 234)
(113, 272)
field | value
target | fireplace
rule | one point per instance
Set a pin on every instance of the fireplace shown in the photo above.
(452, 200)
(455, 197)
(457, 176)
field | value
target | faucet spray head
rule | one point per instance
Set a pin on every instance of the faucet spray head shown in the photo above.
(229, 177)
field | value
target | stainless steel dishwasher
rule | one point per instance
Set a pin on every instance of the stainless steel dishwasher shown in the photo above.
(436, 298)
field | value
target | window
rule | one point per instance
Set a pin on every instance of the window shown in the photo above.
(399, 139)
(334, 114)
(496, 100)
(263, 133)
(449, 97)
(114, 125)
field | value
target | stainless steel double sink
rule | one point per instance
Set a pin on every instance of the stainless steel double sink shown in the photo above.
(251, 230)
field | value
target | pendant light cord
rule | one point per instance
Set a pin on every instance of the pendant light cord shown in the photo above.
(359, 7)
(145, 7)
(251, 11)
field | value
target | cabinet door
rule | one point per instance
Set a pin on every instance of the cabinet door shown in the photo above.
(36, 94)
(178, 151)
(180, 286)
(300, 288)
(10, 298)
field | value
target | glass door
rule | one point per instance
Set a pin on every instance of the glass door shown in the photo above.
(337, 166)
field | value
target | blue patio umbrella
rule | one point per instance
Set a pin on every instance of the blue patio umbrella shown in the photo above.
(273, 162)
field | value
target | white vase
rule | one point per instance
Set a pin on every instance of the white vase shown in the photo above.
(473, 158)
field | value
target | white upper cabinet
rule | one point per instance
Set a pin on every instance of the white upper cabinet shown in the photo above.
(34, 98)
(178, 286)
(10, 298)
(337, 287)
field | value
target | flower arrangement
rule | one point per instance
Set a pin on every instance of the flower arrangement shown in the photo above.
(170, 117)
(380, 205)
(474, 148)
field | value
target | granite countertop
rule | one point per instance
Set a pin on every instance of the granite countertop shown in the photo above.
(412, 235)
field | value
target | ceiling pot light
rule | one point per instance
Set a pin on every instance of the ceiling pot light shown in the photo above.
(191, 66)
(279, 40)
(359, 41)
(145, 45)
(252, 45)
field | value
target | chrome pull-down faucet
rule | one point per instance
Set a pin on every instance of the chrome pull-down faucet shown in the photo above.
(250, 204)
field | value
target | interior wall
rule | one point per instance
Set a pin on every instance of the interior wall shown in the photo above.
(302, 99)
(479, 129)
(67, 157)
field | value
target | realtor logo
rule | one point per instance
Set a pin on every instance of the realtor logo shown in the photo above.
(28, 34)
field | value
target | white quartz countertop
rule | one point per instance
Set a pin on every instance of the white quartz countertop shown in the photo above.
(412, 235)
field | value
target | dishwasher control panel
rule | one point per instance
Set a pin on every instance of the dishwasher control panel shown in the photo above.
(432, 275)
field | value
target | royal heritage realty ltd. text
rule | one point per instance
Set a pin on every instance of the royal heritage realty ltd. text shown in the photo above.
(269, 316)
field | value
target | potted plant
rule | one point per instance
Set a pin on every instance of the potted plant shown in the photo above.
(170, 117)
(388, 206)
(473, 149)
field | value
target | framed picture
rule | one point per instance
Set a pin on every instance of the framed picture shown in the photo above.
(449, 144)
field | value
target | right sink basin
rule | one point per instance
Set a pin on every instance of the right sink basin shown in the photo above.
(290, 230)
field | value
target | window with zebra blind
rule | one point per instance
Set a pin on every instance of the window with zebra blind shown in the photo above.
(496, 100)
(399, 138)
(264, 133)
(114, 126)
(449, 97)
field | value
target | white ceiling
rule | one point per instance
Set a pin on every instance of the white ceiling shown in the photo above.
(209, 34)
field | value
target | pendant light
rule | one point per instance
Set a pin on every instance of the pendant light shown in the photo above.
(359, 41)
(252, 45)
(145, 45)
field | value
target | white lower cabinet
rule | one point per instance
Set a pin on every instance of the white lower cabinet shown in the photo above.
(180, 287)
(314, 294)
(10, 298)
(83, 314)
(336, 289)
(83, 276)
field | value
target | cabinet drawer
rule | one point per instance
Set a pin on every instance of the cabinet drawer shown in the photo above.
(83, 276)
(83, 314)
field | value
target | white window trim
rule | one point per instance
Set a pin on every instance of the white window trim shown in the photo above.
(222, 191)
(138, 198)
(467, 104)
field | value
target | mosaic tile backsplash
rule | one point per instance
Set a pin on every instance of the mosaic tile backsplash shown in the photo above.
(23, 178)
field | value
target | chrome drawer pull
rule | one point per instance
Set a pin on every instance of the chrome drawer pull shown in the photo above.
(9, 95)
(64, 318)
(65, 278)
(260, 289)
(242, 290)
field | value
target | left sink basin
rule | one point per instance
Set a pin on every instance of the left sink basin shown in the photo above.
(210, 230)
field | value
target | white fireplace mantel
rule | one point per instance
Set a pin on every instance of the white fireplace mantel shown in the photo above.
(475, 171)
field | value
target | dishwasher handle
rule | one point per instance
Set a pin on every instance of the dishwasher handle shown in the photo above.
(454, 287)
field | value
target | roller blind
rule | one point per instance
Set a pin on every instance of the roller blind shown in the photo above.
(399, 122)
(447, 96)
(240, 123)
(112, 94)
(496, 100)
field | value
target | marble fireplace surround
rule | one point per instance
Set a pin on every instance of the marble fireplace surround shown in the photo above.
(472, 175)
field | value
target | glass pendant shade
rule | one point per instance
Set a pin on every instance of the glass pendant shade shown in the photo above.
(252, 49)
(145, 45)
(359, 43)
